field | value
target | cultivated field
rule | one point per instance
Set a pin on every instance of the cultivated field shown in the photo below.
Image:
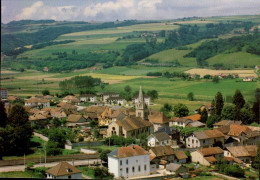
(203, 72)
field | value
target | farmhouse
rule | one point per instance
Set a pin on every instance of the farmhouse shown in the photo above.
(178, 169)
(196, 124)
(226, 123)
(195, 117)
(37, 102)
(76, 120)
(243, 153)
(68, 108)
(70, 99)
(207, 156)
(107, 95)
(63, 170)
(208, 107)
(130, 161)
(206, 138)
(181, 122)
(163, 154)
(158, 139)
(87, 98)
(116, 100)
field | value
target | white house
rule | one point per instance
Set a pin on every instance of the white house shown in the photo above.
(206, 138)
(63, 170)
(37, 102)
(147, 99)
(116, 100)
(130, 161)
(181, 122)
(88, 98)
(158, 139)
(107, 95)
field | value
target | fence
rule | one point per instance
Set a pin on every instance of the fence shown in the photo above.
(69, 145)
(49, 159)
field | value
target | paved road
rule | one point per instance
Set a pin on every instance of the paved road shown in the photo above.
(76, 163)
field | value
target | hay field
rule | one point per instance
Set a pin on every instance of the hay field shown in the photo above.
(203, 72)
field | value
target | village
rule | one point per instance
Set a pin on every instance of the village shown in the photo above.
(146, 143)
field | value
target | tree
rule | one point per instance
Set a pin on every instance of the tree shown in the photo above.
(45, 92)
(204, 116)
(257, 93)
(228, 112)
(103, 155)
(219, 103)
(153, 94)
(190, 96)
(180, 110)
(166, 108)
(215, 79)
(246, 116)
(3, 120)
(18, 120)
(58, 136)
(238, 100)
(52, 148)
(212, 120)
(128, 89)
(56, 122)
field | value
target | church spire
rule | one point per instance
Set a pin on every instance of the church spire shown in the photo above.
(141, 95)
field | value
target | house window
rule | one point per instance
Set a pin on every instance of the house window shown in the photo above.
(139, 168)
(192, 141)
(69, 177)
(133, 169)
(197, 141)
(127, 161)
(127, 170)
(145, 167)
(204, 141)
(120, 162)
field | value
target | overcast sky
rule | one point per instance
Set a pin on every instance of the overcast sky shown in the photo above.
(111, 10)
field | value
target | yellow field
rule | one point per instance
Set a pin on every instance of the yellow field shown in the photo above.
(202, 72)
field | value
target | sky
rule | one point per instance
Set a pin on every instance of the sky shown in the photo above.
(111, 10)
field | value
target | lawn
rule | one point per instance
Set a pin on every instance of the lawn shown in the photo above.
(19, 174)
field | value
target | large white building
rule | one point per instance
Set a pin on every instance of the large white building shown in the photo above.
(130, 161)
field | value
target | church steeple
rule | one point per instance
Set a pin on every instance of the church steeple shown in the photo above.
(141, 107)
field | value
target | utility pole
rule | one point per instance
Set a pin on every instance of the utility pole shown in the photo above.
(24, 160)
(2, 58)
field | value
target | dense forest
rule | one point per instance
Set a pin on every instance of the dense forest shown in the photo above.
(211, 48)
(186, 34)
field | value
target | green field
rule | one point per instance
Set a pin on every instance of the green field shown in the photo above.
(19, 174)
(237, 58)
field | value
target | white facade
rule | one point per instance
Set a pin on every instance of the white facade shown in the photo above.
(193, 142)
(34, 104)
(130, 166)
(88, 99)
(198, 157)
(180, 124)
(152, 142)
(72, 176)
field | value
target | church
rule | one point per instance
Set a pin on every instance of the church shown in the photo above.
(133, 125)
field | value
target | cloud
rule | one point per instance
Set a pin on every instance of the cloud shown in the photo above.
(110, 10)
